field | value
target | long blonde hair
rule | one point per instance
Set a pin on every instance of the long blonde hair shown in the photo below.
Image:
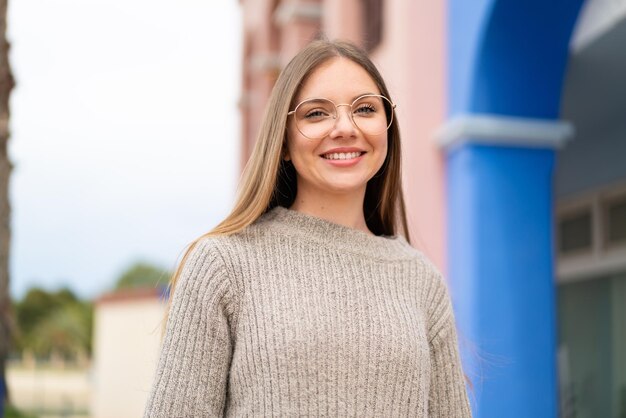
(269, 181)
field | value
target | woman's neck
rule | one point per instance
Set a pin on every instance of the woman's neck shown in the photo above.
(342, 209)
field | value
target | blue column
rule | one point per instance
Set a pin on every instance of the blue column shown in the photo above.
(499, 189)
(500, 214)
(506, 65)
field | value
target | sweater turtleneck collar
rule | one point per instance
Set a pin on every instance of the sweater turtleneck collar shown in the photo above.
(310, 228)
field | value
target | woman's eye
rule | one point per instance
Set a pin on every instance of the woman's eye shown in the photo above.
(365, 109)
(316, 114)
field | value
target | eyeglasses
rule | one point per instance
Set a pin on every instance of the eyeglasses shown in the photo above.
(372, 114)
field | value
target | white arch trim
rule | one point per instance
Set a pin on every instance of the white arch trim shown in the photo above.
(596, 18)
(503, 131)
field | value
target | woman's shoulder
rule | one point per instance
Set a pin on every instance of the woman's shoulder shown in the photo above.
(228, 250)
(204, 272)
(221, 248)
(435, 297)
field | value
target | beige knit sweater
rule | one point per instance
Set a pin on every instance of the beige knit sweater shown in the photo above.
(297, 316)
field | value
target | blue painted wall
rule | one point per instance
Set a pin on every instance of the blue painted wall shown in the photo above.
(506, 57)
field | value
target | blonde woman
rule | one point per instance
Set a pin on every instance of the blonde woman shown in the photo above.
(307, 299)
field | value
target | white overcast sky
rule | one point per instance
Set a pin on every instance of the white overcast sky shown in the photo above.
(124, 134)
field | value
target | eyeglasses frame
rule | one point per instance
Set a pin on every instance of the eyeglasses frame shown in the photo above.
(393, 107)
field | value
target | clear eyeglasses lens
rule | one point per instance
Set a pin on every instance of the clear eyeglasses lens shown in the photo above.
(315, 118)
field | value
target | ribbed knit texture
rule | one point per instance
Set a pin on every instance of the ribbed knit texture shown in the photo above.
(298, 316)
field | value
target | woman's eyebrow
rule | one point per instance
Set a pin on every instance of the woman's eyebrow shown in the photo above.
(362, 94)
(317, 98)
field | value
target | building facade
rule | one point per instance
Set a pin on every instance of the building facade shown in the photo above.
(513, 123)
(128, 329)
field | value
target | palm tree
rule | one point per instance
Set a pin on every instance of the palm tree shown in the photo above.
(6, 85)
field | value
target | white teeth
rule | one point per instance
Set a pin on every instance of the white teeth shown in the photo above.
(342, 155)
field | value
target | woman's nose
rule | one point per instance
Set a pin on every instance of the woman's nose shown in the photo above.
(343, 123)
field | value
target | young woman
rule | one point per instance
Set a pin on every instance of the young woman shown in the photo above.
(306, 299)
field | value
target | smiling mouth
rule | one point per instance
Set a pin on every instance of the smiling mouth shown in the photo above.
(342, 155)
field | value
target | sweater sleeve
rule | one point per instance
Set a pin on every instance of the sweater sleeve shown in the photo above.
(192, 372)
(448, 395)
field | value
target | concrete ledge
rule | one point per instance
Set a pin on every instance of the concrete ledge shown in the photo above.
(503, 131)
(261, 62)
(295, 10)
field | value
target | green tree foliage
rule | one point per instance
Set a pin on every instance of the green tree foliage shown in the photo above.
(53, 322)
(141, 275)
(39, 303)
(12, 412)
(66, 330)
(58, 322)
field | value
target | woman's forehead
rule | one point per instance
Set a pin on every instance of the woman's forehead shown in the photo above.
(339, 79)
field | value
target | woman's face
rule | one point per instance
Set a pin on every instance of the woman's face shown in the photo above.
(345, 159)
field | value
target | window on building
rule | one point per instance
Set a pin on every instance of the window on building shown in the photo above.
(597, 224)
(592, 347)
(372, 23)
(575, 232)
(615, 221)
